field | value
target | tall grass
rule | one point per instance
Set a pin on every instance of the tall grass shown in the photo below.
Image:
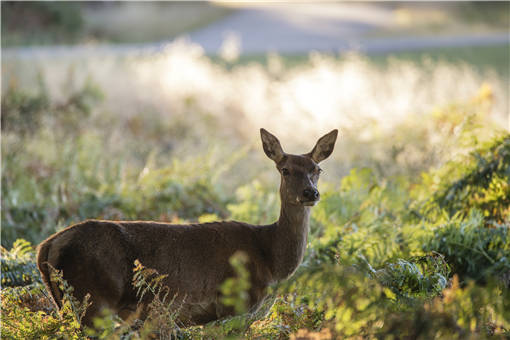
(193, 99)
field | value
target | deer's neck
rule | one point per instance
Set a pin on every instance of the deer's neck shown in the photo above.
(290, 239)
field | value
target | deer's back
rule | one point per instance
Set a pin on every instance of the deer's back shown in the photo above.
(196, 257)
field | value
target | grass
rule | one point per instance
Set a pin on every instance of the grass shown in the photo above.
(482, 58)
(445, 18)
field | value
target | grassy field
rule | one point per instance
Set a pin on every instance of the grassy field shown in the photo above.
(483, 58)
(445, 18)
(480, 58)
(411, 237)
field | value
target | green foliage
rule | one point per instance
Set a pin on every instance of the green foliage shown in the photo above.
(162, 311)
(284, 319)
(23, 112)
(255, 204)
(72, 310)
(480, 181)
(20, 322)
(472, 250)
(471, 312)
(27, 312)
(345, 296)
(235, 290)
(421, 276)
(469, 212)
(362, 221)
(55, 174)
(18, 265)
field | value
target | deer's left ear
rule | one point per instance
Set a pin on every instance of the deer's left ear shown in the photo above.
(271, 146)
(324, 147)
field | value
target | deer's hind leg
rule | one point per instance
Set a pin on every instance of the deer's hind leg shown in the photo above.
(104, 281)
(103, 288)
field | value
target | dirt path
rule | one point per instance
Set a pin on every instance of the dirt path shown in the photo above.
(335, 27)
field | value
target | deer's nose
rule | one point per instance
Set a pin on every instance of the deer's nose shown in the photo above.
(311, 194)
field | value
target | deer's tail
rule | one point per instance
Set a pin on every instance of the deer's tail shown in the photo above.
(45, 269)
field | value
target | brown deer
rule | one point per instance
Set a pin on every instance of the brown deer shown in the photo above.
(96, 257)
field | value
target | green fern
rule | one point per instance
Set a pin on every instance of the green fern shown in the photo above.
(18, 265)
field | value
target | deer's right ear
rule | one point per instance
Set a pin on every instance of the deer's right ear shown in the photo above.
(271, 146)
(324, 147)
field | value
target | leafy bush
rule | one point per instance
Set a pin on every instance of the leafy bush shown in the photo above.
(27, 312)
(18, 265)
(422, 276)
(23, 111)
(459, 313)
(480, 181)
(472, 250)
(469, 210)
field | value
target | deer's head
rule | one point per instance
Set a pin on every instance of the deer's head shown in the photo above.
(299, 173)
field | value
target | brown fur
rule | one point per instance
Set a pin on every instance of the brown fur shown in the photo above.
(96, 257)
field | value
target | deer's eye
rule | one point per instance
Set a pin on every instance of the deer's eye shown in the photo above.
(285, 172)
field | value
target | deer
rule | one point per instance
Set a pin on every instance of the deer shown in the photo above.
(96, 257)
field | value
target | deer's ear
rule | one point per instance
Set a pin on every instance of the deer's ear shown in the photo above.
(324, 147)
(271, 146)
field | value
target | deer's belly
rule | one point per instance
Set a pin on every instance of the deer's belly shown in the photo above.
(198, 313)
(202, 313)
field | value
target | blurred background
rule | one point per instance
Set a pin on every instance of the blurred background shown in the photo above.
(103, 101)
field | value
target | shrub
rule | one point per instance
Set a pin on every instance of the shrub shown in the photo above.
(472, 250)
(480, 180)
